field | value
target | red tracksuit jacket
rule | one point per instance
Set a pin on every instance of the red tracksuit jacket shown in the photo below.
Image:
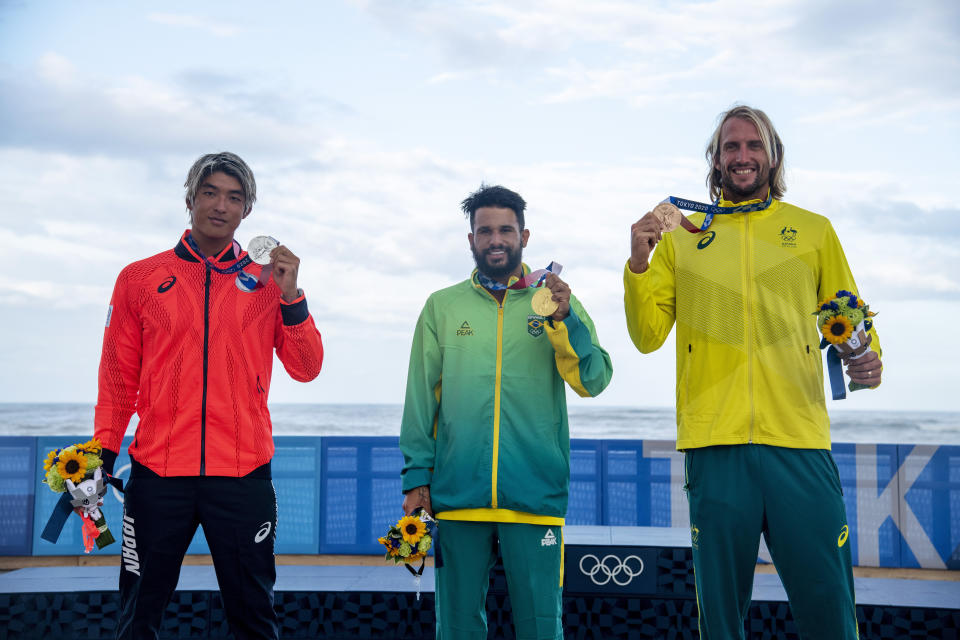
(192, 354)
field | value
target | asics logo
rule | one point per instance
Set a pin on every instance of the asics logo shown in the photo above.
(600, 572)
(167, 284)
(843, 535)
(263, 532)
(706, 240)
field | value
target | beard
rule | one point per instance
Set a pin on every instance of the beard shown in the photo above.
(498, 271)
(737, 193)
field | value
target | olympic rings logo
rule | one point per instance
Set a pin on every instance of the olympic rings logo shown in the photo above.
(610, 568)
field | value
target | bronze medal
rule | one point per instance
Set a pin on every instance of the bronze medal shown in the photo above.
(668, 215)
(543, 303)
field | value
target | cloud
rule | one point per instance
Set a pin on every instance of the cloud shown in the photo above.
(834, 57)
(65, 108)
(592, 111)
(458, 76)
(50, 294)
(216, 27)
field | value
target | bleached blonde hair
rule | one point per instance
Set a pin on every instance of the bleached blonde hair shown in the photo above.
(771, 144)
(228, 163)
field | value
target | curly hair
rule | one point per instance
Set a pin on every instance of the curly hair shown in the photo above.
(495, 196)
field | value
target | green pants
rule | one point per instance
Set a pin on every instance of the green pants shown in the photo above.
(532, 556)
(792, 497)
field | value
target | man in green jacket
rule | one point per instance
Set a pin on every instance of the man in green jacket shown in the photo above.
(751, 414)
(484, 434)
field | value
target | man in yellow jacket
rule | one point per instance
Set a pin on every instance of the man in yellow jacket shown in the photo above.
(751, 414)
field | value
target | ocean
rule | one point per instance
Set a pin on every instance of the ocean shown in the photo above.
(637, 423)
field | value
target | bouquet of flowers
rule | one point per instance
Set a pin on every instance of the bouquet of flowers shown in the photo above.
(844, 321)
(409, 540)
(76, 472)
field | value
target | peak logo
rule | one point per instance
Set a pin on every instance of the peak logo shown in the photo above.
(465, 329)
(549, 539)
(167, 284)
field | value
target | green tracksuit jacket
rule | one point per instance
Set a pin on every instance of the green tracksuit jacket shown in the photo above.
(485, 416)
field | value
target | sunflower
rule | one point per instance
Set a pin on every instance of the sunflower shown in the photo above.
(414, 557)
(72, 465)
(91, 446)
(837, 330)
(51, 459)
(412, 528)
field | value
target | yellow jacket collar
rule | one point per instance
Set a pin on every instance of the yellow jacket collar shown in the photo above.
(726, 203)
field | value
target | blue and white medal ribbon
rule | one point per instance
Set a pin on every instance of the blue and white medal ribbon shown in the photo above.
(532, 279)
(240, 264)
(835, 371)
(258, 253)
(711, 210)
(432, 531)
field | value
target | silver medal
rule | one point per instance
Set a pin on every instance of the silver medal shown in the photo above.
(260, 247)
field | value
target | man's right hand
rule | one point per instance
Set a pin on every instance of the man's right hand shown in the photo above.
(418, 497)
(645, 233)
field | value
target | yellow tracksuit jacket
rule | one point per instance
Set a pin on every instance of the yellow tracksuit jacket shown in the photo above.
(749, 367)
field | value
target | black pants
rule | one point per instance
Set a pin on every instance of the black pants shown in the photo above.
(239, 520)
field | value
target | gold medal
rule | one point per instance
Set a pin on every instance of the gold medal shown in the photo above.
(668, 215)
(543, 303)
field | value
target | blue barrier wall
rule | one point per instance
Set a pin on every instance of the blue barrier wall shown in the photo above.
(338, 494)
(296, 477)
(585, 503)
(69, 542)
(18, 486)
(360, 492)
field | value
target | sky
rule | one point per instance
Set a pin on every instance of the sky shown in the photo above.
(367, 122)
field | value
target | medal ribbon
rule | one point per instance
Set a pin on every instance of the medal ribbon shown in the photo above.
(58, 518)
(231, 269)
(711, 210)
(835, 370)
(532, 279)
(433, 532)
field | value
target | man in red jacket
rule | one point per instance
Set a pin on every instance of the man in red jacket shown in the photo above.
(189, 346)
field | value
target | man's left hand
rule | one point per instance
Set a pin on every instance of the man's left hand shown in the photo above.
(285, 267)
(561, 295)
(866, 369)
